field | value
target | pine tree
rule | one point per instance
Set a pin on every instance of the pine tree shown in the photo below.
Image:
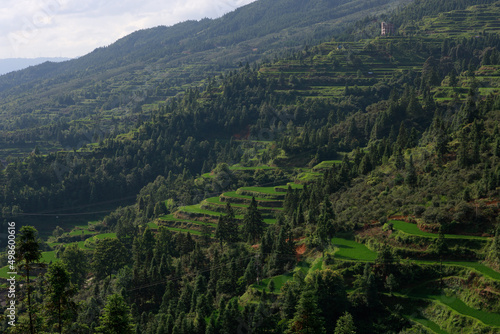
(329, 286)
(59, 290)
(116, 318)
(229, 318)
(324, 230)
(76, 262)
(411, 174)
(27, 254)
(345, 325)
(307, 318)
(253, 224)
(227, 227)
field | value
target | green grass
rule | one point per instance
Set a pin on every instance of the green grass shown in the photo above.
(292, 185)
(280, 280)
(47, 257)
(234, 194)
(491, 319)
(476, 266)
(428, 324)
(217, 201)
(171, 218)
(4, 271)
(196, 209)
(413, 229)
(105, 235)
(352, 250)
(152, 225)
(309, 176)
(327, 164)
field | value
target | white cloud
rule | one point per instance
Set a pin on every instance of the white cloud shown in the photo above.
(72, 28)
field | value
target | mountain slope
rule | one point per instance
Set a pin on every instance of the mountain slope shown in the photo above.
(16, 64)
(380, 159)
(154, 64)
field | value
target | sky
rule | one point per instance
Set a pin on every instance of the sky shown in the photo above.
(73, 28)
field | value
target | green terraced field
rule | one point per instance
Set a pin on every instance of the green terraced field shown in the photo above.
(428, 324)
(453, 302)
(217, 201)
(352, 250)
(171, 218)
(413, 229)
(47, 257)
(476, 266)
(280, 280)
(105, 235)
(196, 209)
(309, 176)
(327, 164)
(152, 225)
(234, 194)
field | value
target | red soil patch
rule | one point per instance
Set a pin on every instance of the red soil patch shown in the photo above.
(299, 251)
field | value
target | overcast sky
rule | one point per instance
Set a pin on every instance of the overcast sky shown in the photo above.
(73, 28)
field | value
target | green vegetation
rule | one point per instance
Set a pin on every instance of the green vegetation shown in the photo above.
(304, 157)
(413, 229)
(352, 250)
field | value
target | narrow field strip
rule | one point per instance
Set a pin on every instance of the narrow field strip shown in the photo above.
(413, 229)
(352, 250)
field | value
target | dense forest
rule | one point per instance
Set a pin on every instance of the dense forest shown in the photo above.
(348, 186)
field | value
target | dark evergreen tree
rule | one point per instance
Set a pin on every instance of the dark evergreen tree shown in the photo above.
(60, 292)
(253, 224)
(116, 317)
(28, 253)
(307, 318)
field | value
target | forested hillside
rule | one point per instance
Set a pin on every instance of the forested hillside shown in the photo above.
(54, 106)
(351, 186)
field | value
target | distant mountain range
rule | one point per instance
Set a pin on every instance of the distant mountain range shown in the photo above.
(15, 64)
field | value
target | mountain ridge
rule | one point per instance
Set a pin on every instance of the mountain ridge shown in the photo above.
(8, 65)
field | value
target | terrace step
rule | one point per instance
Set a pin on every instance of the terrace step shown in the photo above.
(262, 202)
(238, 208)
(264, 192)
(188, 225)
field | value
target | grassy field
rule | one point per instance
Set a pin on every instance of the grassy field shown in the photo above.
(196, 209)
(234, 194)
(171, 218)
(352, 250)
(453, 302)
(428, 324)
(152, 225)
(476, 266)
(217, 201)
(47, 257)
(326, 164)
(280, 280)
(105, 235)
(413, 229)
